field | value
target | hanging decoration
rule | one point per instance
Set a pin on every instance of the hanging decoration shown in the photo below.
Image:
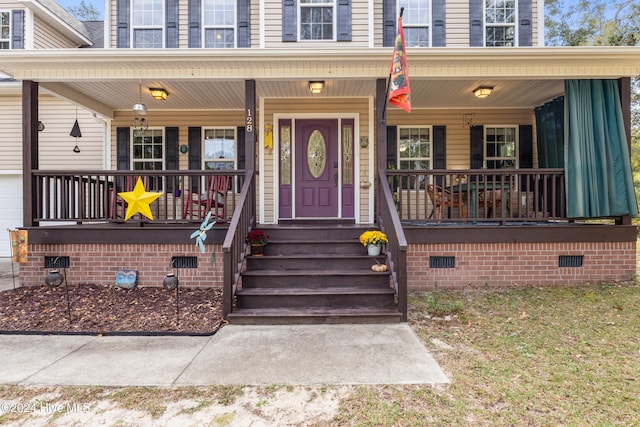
(201, 234)
(140, 124)
(75, 132)
(138, 200)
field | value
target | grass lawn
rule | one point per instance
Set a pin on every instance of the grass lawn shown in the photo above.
(550, 356)
(541, 357)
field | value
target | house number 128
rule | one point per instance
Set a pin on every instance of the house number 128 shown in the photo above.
(249, 121)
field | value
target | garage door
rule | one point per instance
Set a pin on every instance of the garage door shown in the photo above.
(10, 209)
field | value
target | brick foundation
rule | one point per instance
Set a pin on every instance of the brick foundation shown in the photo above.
(98, 263)
(477, 265)
(499, 265)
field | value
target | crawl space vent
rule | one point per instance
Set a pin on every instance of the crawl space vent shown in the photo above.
(570, 261)
(442, 262)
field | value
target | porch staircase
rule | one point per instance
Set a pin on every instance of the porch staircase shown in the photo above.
(314, 274)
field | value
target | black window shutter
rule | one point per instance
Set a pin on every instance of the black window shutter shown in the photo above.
(240, 132)
(439, 147)
(525, 148)
(344, 20)
(123, 23)
(389, 22)
(524, 20)
(171, 153)
(195, 36)
(438, 27)
(244, 27)
(172, 23)
(476, 23)
(17, 29)
(477, 147)
(289, 21)
(123, 148)
(392, 147)
(195, 148)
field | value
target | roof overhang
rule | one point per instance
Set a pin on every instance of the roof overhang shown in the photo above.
(230, 64)
(60, 19)
(107, 80)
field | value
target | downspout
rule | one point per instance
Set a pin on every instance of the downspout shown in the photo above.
(106, 138)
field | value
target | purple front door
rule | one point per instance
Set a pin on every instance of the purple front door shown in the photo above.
(316, 183)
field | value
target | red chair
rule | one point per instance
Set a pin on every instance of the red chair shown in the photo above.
(214, 198)
(123, 184)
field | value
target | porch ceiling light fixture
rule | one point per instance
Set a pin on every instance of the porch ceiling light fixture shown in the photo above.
(139, 107)
(482, 91)
(316, 87)
(158, 93)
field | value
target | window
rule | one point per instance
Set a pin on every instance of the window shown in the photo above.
(415, 22)
(147, 23)
(219, 149)
(500, 22)
(148, 155)
(5, 30)
(501, 147)
(317, 19)
(414, 148)
(219, 23)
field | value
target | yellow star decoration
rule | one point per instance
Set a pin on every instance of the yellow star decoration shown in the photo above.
(138, 200)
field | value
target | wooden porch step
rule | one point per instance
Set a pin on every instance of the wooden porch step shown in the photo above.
(314, 247)
(313, 261)
(307, 316)
(335, 297)
(314, 278)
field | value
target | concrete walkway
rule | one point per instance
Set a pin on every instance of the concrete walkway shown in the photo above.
(239, 355)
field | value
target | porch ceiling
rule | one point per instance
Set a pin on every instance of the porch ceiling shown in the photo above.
(107, 80)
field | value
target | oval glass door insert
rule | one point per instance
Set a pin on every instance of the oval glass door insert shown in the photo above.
(316, 154)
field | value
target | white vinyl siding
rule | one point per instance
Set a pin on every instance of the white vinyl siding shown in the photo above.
(47, 37)
(457, 21)
(56, 146)
(11, 136)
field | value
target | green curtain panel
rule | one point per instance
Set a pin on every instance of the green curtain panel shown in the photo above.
(598, 170)
(550, 131)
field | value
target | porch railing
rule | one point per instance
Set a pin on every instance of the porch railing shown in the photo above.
(390, 224)
(234, 246)
(92, 196)
(478, 194)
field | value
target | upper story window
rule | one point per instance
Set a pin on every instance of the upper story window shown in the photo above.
(219, 149)
(415, 21)
(500, 22)
(5, 30)
(219, 23)
(147, 23)
(501, 147)
(317, 20)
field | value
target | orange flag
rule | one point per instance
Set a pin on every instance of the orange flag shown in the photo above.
(399, 90)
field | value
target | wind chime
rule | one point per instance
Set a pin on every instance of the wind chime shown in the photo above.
(75, 132)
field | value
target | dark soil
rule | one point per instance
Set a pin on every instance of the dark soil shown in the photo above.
(109, 309)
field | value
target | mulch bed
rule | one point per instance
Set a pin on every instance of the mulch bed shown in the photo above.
(104, 309)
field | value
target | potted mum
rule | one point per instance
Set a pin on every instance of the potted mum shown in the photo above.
(257, 239)
(373, 241)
